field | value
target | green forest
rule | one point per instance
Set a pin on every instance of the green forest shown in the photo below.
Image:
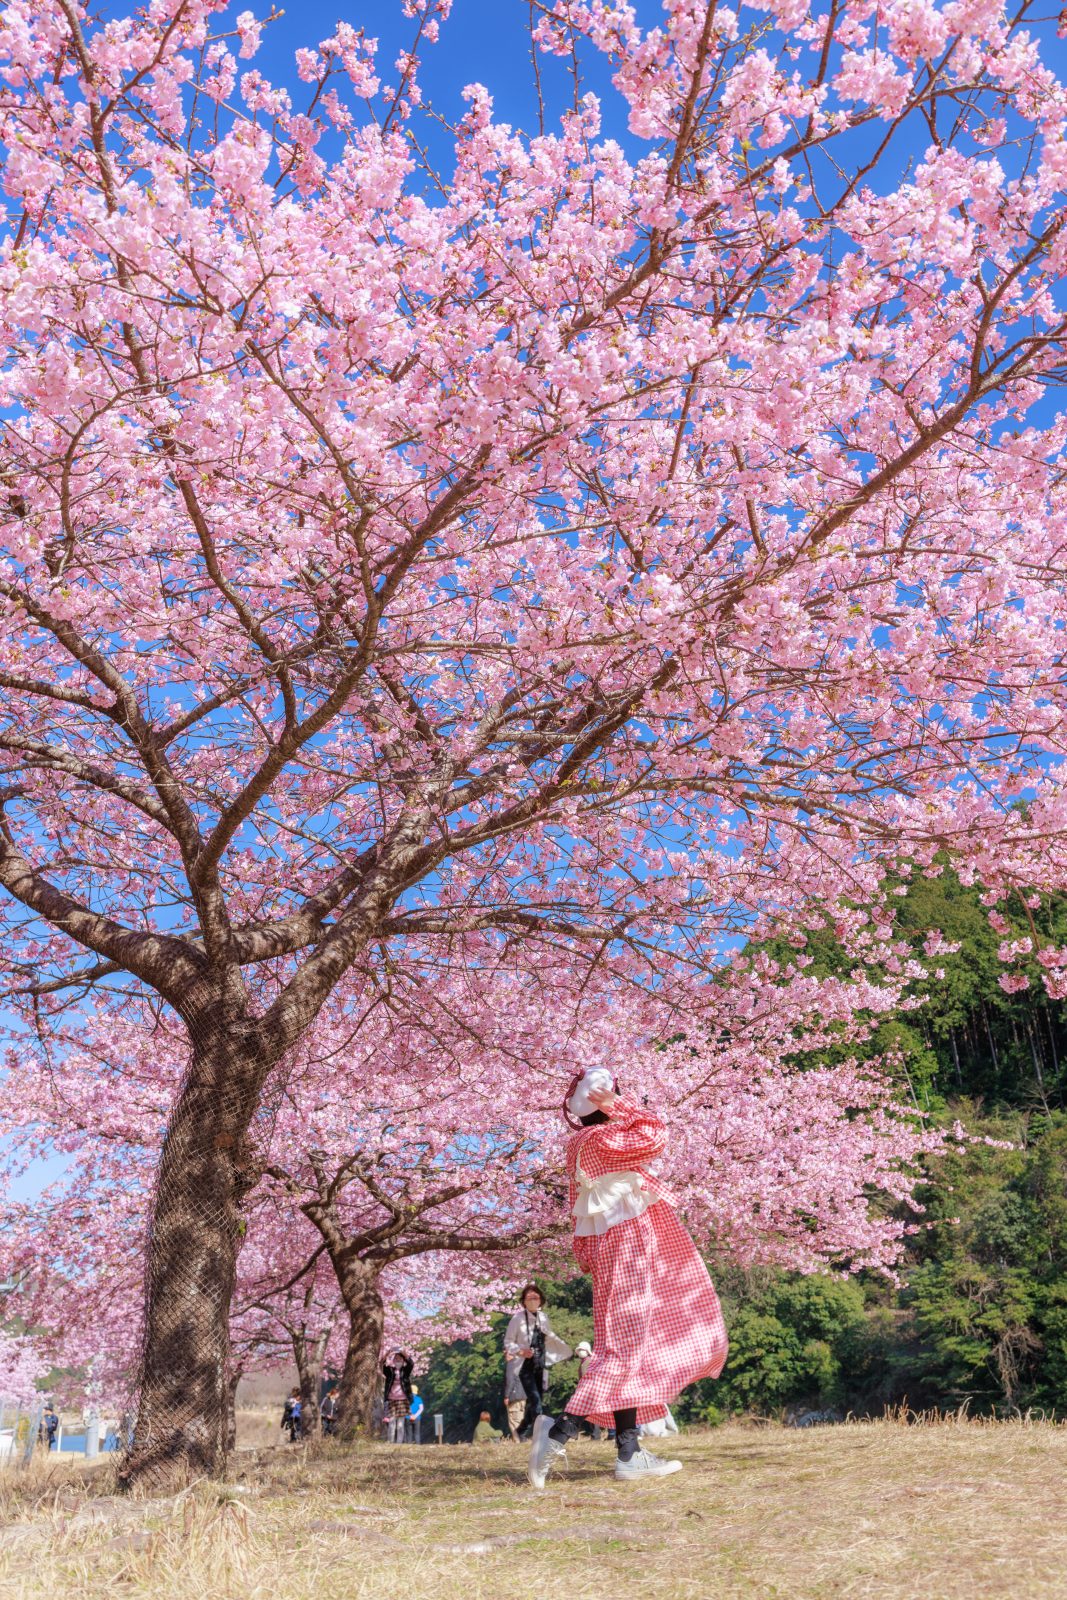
(980, 1317)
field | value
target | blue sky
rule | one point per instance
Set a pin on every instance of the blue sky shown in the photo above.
(487, 41)
(37, 1178)
(483, 41)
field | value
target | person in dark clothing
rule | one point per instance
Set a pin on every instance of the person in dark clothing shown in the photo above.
(49, 1426)
(328, 1413)
(396, 1393)
(291, 1417)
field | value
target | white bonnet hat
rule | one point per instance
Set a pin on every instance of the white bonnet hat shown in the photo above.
(594, 1079)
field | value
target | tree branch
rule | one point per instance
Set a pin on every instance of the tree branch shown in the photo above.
(165, 961)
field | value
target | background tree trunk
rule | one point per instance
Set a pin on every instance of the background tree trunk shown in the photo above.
(182, 1428)
(361, 1376)
(231, 1407)
(309, 1372)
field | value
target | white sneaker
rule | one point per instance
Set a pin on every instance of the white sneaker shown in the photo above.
(643, 1464)
(545, 1453)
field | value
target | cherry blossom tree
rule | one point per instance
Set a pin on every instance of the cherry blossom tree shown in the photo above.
(380, 1152)
(409, 1174)
(77, 1252)
(621, 546)
(21, 1369)
(432, 1166)
(286, 1310)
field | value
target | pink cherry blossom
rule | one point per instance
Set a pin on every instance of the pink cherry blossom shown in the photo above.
(21, 1370)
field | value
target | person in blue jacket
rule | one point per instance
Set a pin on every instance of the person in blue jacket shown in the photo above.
(413, 1430)
(291, 1417)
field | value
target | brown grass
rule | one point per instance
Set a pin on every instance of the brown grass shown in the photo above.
(959, 1511)
(260, 1428)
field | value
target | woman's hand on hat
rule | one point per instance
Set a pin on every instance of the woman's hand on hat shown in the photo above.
(603, 1099)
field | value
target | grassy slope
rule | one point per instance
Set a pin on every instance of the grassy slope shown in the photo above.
(874, 1510)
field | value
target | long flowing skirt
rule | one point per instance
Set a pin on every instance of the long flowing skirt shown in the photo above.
(657, 1322)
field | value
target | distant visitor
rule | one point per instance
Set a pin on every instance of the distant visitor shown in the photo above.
(484, 1432)
(531, 1349)
(414, 1417)
(397, 1394)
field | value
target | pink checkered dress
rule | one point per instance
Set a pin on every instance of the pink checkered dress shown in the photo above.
(657, 1323)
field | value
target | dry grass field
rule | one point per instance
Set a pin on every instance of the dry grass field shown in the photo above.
(883, 1511)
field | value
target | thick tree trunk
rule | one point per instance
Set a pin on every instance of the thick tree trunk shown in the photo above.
(183, 1407)
(361, 1376)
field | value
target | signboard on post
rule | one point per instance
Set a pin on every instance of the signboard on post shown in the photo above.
(438, 1428)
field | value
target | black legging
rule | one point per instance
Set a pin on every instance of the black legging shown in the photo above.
(532, 1378)
(627, 1439)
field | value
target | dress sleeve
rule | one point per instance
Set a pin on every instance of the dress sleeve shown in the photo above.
(630, 1137)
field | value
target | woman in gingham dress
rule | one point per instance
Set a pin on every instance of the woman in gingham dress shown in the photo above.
(657, 1323)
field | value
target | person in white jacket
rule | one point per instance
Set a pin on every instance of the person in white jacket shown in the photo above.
(530, 1349)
